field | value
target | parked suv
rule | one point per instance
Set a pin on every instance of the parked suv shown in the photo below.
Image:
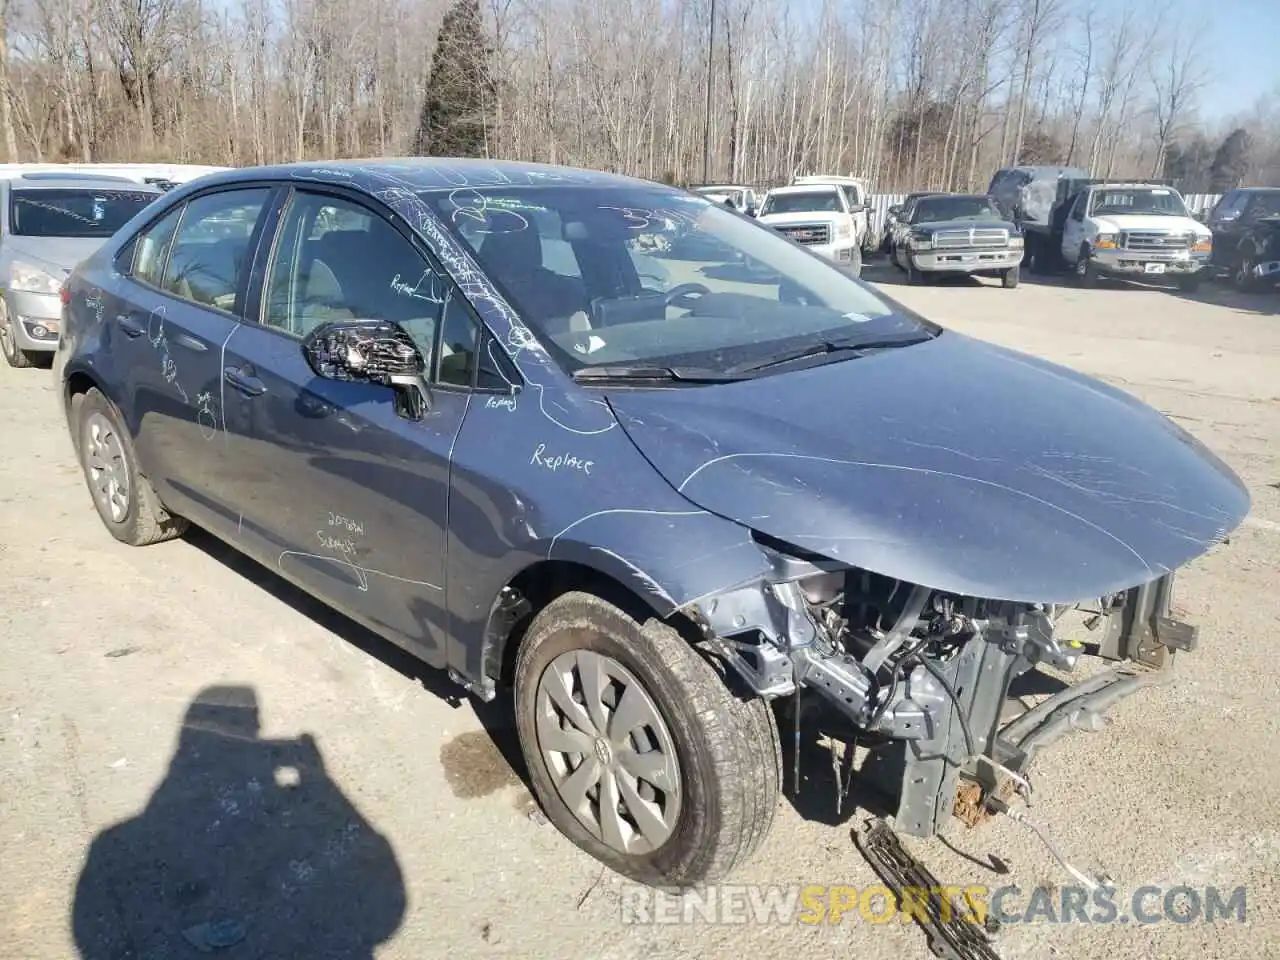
(648, 511)
(49, 222)
(1238, 231)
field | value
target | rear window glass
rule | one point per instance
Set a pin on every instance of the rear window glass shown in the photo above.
(73, 212)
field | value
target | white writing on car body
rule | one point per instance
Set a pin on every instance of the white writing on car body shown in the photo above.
(560, 461)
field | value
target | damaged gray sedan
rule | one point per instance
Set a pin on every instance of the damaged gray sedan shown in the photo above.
(651, 470)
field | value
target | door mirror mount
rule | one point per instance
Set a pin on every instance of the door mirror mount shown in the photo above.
(371, 351)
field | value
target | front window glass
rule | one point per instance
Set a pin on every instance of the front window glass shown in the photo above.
(936, 209)
(74, 213)
(806, 201)
(646, 275)
(1146, 200)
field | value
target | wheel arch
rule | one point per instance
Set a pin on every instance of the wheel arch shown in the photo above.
(538, 584)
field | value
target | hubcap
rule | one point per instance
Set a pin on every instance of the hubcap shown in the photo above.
(1082, 266)
(106, 465)
(609, 751)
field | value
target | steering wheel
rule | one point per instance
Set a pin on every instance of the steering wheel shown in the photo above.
(685, 295)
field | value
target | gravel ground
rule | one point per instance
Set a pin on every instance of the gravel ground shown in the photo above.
(371, 805)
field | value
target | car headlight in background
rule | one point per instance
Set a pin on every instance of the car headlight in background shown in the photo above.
(1202, 245)
(29, 279)
(843, 230)
(921, 241)
(1015, 243)
(1105, 241)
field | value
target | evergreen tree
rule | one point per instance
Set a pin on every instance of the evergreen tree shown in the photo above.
(456, 106)
(1231, 162)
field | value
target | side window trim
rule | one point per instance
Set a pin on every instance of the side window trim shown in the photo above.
(243, 284)
(268, 252)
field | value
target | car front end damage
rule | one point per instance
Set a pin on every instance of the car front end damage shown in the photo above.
(926, 674)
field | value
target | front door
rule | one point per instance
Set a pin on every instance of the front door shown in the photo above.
(168, 318)
(1073, 229)
(340, 492)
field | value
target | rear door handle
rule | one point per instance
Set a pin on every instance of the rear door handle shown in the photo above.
(129, 326)
(248, 385)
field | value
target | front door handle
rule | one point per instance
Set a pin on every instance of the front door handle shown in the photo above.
(129, 326)
(248, 385)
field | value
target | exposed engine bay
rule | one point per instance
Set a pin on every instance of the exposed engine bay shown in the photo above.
(931, 671)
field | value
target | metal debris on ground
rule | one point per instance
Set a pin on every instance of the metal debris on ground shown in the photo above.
(949, 927)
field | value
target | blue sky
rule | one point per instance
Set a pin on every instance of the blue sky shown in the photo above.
(1242, 53)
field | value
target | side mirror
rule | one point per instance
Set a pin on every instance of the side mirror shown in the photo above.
(371, 351)
(896, 210)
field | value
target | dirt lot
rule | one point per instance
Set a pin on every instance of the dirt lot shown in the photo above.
(107, 646)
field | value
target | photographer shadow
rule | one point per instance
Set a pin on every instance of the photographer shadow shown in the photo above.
(246, 848)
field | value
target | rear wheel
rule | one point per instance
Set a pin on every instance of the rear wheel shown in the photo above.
(124, 498)
(638, 750)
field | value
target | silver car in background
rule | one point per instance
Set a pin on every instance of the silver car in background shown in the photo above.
(49, 222)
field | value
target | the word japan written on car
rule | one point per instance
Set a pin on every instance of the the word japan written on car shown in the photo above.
(642, 465)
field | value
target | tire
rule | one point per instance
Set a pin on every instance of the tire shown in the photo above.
(914, 277)
(14, 355)
(121, 493)
(1009, 278)
(855, 266)
(1242, 278)
(1085, 272)
(1190, 283)
(726, 755)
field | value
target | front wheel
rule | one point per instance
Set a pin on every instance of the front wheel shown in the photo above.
(14, 355)
(1243, 276)
(915, 277)
(1086, 272)
(638, 750)
(1009, 278)
(1190, 283)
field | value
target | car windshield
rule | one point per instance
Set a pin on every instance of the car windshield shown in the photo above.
(936, 209)
(1150, 200)
(659, 277)
(74, 212)
(808, 201)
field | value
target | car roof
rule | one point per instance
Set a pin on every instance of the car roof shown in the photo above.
(421, 173)
(1134, 185)
(78, 181)
(963, 196)
(807, 188)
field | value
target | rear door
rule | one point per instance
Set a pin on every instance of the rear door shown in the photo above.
(186, 280)
(341, 493)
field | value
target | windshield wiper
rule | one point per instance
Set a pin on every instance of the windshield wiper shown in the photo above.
(824, 347)
(624, 372)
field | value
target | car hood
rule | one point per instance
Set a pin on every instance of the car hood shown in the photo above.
(953, 464)
(932, 225)
(1140, 221)
(60, 254)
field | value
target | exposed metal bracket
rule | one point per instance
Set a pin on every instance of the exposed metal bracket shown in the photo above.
(1141, 629)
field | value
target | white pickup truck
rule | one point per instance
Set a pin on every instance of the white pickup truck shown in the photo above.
(1135, 231)
(820, 216)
